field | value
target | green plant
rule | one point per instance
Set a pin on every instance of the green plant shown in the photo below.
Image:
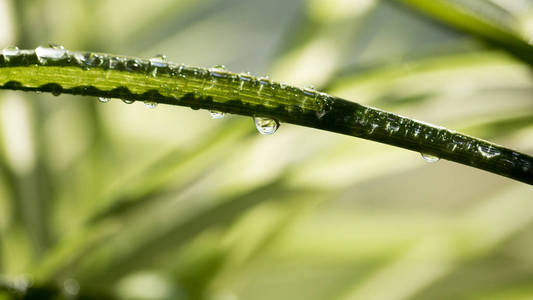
(107, 200)
(56, 70)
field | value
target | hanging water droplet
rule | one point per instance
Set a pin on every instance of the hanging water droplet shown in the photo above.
(103, 99)
(216, 114)
(51, 53)
(127, 101)
(10, 52)
(266, 125)
(430, 158)
(150, 104)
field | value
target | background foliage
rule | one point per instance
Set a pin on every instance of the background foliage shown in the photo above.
(124, 202)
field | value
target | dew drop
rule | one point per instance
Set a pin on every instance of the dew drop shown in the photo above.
(373, 127)
(263, 81)
(88, 60)
(266, 126)
(220, 67)
(133, 65)
(159, 61)
(10, 52)
(243, 78)
(392, 126)
(487, 151)
(112, 62)
(150, 104)
(80, 58)
(430, 158)
(50, 53)
(94, 60)
(128, 101)
(103, 99)
(216, 114)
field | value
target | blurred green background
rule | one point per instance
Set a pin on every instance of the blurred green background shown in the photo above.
(116, 201)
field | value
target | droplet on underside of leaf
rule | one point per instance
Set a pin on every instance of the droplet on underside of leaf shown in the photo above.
(266, 126)
(216, 114)
(430, 158)
(103, 99)
(150, 104)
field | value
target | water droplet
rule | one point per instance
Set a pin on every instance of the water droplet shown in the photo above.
(220, 67)
(79, 57)
(266, 125)
(373, 127)
(263, 82)
(216, 114)
(113, 62)
(128, 101)
(487, 151)
(87, 60)
(309, 92)
(416, 131)
(159, 61)
(430, 158)
(10, 52)
(150, 104)
(133, 65)
(103, 99)
(245, 77)
(392, 126)
(51, 53)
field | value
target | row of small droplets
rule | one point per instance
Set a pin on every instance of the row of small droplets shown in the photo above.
(265, 89)
(371, 120)
(321, 103)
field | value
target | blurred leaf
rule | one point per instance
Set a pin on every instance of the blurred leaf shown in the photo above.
(482, 19)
